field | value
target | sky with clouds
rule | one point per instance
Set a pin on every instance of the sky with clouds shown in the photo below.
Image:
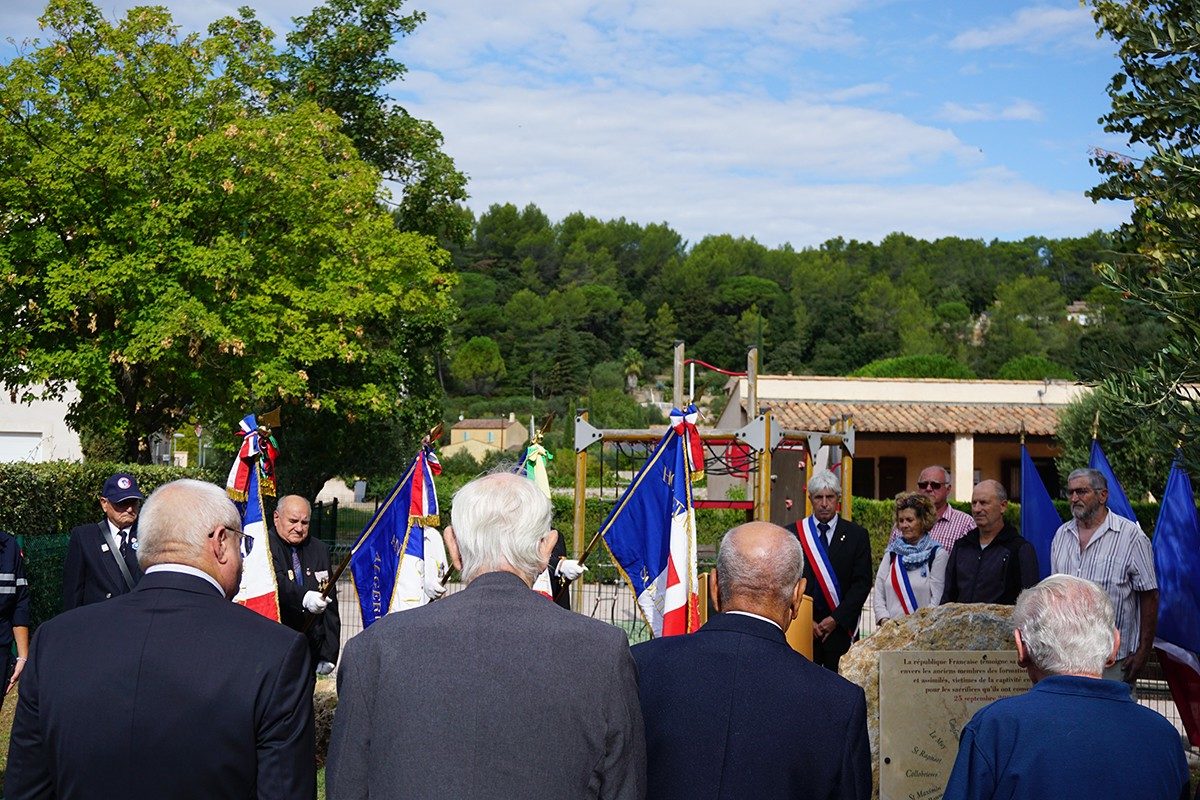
(785, 121)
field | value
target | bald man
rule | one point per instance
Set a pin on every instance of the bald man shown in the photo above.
(732, 711)
(302, 572)
(992, 563)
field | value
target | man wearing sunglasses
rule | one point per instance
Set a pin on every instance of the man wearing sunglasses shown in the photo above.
(171, 690)
(950, 524)
(101, 558)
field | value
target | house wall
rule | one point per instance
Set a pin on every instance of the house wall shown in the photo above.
(38, 431)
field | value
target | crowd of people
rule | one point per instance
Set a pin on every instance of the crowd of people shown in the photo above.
(155, 686)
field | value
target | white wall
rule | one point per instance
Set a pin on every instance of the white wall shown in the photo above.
(38, 431)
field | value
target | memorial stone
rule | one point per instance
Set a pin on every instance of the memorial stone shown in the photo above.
(925, 700)
(975, 626)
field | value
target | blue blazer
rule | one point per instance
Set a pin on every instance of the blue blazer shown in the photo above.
(169, 691)
(90, 573)
(732, 712)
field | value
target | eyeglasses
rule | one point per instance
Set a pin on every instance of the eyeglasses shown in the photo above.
(929, 484)
(1084, 492)
(241, 535)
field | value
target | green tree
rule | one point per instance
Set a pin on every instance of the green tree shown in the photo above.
(183, 242)
(478, 365)
(338, 56)
(917, 366)
(1154, 108)
(1032, 368)
(1140, 457)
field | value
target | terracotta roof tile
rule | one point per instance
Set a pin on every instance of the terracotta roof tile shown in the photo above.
(464, 424)
(875, 417)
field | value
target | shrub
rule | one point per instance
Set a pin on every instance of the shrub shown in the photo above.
(920, 366)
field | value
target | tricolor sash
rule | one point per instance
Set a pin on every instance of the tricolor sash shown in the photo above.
(902, 587)
(817, 555)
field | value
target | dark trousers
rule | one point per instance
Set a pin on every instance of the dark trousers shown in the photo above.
(829, 652)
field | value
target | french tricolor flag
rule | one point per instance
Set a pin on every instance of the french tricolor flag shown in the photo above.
(651, 532)
(258, 590)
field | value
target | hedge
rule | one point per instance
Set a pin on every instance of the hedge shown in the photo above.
(40, 503)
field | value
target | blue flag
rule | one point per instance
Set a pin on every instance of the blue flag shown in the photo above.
(391, 549)
(1117, 501)
(1039, 517)
(651, 533)
(1177, 563)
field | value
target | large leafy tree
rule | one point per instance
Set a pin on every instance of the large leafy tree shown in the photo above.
(338, 56)
(1154, 107)
(182, 241)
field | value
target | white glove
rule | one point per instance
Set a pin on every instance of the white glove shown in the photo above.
(434, 590)
(324, 668)
(569, 569)
(313, 602)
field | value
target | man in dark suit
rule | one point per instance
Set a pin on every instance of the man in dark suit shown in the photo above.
(302, 572)
(169, 691)
(490, 692)
(732, 711)
(840, 547)
(101, 557)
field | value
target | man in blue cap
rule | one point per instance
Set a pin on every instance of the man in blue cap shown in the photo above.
(102, 556)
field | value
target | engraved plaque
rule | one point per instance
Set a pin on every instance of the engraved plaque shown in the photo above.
(925, 700)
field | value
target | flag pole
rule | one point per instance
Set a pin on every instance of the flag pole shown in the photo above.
(1096, 426)
(434, 434)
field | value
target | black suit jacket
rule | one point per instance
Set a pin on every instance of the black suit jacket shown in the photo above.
(169, 691)
(90, 572)
(850, 555)
(324, 636)
(733, 712)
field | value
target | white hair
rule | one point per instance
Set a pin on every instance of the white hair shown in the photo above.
(499, 521)
(1095, 478)
(177, 519)
(1067, 625)
(824, 480)
(771, 576)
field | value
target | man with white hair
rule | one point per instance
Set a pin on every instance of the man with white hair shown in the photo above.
(1074, 734)
(838, 568)
(491, 692)
(169, 690)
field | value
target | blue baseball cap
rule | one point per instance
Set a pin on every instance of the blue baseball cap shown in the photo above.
(121, 487)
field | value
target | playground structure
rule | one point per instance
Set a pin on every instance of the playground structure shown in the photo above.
(747, 450)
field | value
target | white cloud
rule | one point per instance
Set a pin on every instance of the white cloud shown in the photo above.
(777, 170)
(1018, 110)
(1033, 28)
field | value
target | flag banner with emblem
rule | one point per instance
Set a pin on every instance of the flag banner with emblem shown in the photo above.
(816, 554)
(1117, 501)
(902, 586)
(1177, 567)
(533, 466)
(388, 563)
(651, 532)
(1039, 517)
(258, 591)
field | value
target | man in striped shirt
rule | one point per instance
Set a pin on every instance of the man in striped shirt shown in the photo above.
(1112, 551)
(950, 524)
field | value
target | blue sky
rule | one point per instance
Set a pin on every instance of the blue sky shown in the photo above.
(782, 120)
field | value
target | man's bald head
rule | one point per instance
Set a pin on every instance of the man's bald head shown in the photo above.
(758, 566)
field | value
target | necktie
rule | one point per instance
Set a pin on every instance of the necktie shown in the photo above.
(123, 535)
(296, 569)
(823, 527)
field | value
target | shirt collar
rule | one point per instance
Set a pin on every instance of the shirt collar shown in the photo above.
(187, 569)
(833, 523)
(756, 616)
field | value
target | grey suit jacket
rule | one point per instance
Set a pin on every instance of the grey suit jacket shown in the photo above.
(492, 692)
